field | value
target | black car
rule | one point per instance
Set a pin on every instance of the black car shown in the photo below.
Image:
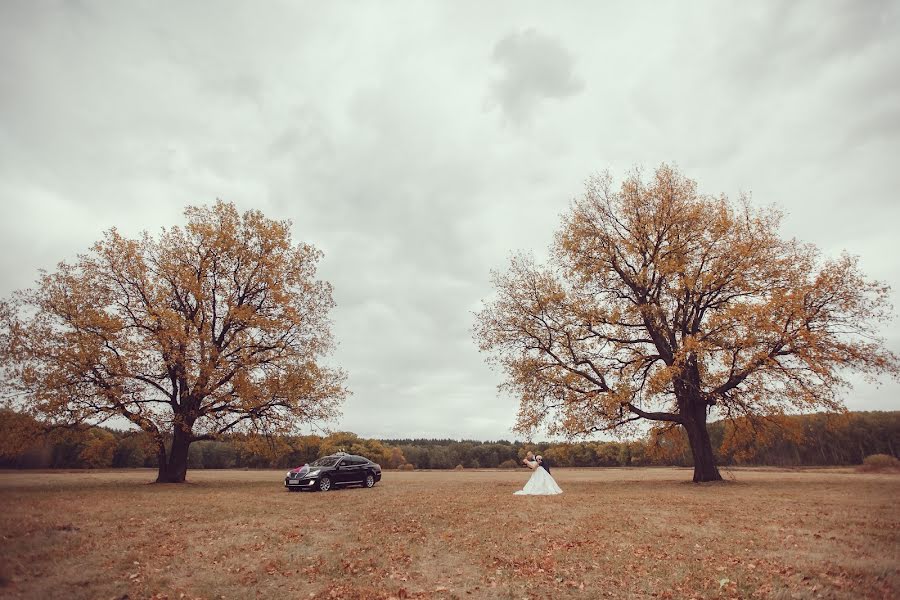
(333, 471)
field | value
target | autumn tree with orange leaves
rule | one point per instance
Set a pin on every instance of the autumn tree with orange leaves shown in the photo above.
(218, 326)
(663, 304)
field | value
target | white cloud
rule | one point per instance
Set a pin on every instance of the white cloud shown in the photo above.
(366, 126)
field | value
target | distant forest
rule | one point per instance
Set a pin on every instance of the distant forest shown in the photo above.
(805, 440)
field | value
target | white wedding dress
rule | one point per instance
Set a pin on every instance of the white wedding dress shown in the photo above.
(541, 483)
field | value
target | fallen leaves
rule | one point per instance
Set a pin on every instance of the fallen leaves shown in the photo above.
(407, 543)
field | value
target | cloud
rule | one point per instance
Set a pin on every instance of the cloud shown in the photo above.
(535, 67)
(368, 131)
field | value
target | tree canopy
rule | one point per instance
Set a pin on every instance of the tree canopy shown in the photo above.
(664, 304)
(217, 326)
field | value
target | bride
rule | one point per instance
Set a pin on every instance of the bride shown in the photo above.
(540, 483)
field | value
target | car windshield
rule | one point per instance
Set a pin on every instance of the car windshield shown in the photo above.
(327, 461)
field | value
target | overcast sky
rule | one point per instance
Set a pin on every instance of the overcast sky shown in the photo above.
(418, 144)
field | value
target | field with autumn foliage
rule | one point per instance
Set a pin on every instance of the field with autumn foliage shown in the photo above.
(614, 533)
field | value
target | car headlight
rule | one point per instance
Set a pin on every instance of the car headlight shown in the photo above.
(313, 473)
(288, 475)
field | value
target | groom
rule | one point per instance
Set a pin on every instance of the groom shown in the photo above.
(544, 463)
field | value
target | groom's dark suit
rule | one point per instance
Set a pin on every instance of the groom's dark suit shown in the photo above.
(546, 464)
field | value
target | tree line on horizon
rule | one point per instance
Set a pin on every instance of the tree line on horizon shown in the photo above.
(818, 439)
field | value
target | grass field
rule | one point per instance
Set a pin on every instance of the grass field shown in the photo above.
(614, 533)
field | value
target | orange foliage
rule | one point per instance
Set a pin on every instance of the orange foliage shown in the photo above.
(17, 432)
(99, 450)
(667, 444)
(661, 303)
(746, 436)
(213, 327)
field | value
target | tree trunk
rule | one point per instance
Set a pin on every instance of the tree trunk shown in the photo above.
(161, 459)
(701, 447)
(174, 469)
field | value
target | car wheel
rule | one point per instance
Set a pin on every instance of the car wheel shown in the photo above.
(324, 484)
(370, 480)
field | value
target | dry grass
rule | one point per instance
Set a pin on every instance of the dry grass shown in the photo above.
(616, 533)
(879, 463)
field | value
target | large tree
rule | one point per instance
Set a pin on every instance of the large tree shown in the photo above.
(218, 326)
(663, 304)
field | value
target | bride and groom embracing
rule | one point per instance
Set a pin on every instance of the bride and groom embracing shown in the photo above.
(541, 482)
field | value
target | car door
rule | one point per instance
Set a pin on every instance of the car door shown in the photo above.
(355, 471)
(341, 471)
